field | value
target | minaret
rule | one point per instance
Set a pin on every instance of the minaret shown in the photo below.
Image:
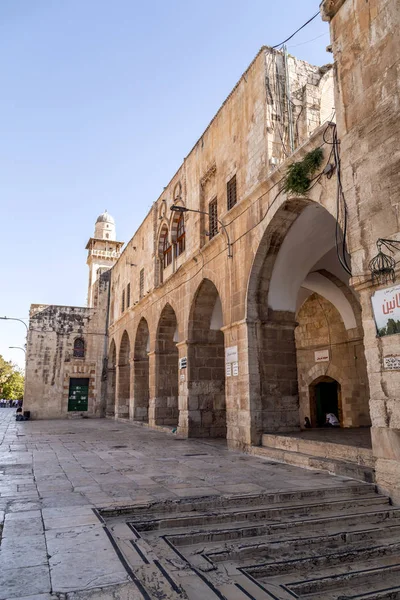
(103, 251)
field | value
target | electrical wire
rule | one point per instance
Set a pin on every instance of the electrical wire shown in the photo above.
(297, 31)
(309, 41)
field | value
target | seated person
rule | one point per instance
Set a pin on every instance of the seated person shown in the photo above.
(19, 416)
(332, 420)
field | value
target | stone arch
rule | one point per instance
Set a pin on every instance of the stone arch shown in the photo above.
(162, 235)
(206, 364)
(124, 376)
(111, 379)
(300, 234)
(141, 385)
(164, 405)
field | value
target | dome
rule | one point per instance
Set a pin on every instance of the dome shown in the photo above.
(105, 217)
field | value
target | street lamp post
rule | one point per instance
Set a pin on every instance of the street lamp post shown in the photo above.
(183, 209)
(18, 348)
(15, 319)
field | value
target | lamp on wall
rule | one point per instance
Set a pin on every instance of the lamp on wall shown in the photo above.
(183, 209)
(382, 266)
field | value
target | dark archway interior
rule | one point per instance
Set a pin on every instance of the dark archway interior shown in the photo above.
(324, 399)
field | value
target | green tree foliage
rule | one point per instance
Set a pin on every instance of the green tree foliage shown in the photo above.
(11, 381)
(391, 328)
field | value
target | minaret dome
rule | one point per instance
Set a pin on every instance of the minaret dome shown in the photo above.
(105, 227)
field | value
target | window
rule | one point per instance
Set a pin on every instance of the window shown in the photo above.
(141, 284)
(231, 192)
(123, 301)
(180, 236)
(79, 348)
(128, 295)
(213, 218)
(167, 252)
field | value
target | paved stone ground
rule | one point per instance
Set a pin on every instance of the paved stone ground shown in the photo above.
(53, 473)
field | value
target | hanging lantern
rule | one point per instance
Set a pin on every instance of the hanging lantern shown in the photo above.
(382, 266)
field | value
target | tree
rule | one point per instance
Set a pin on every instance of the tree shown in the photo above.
(11, 381)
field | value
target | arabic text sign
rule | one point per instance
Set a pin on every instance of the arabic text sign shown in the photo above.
(386, 307)
(321, 355)
(231, 354)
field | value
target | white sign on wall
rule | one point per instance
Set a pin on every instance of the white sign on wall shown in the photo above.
(183, 362)
(386, 307)
(391, 362)
(235, 369)
(231, 354)
(321, 355)
(228, 369)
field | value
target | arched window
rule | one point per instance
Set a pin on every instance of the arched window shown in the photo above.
(79, 348)
(167, 252)
(180, 236)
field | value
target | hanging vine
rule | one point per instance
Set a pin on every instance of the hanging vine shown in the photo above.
(299, 174)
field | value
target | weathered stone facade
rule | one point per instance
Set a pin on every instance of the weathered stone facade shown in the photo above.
(366, 46)
(218, 307)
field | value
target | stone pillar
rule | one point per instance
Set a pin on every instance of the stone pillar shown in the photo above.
(278, 374)
(111, 398)
(122, 391)
(140, 386)
(240, 389)
(203, 397)
(163, 409)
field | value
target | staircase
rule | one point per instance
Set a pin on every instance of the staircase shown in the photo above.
(338, 459)
(336, 543)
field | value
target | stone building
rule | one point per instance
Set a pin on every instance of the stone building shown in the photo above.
(234, 311)
(66, 345)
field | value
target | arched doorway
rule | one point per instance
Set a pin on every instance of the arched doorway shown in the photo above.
(325, 398)
(206, 374)
(164, 406)
(124, 377)
(111, 380)
(141, 391)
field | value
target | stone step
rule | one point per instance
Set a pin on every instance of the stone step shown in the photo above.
(366, 579)
(320, 463)
(233, 515)
(266, 548)
(324, 561)
(204, 503)
(323, 449)
(242, 530)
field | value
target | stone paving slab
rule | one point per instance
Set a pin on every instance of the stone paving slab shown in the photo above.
(53, 473)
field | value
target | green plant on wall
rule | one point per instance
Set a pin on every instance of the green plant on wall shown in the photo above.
(299, 174)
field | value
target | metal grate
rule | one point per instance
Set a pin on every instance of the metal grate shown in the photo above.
(231, 192)
(128, 295)
(141, 283)
(213, 218)
(123, 301)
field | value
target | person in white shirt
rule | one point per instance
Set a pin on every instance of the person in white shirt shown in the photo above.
(332, 420)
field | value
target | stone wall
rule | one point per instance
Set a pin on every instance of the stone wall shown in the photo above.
(320, 327)
(49, 358)
(366, 46)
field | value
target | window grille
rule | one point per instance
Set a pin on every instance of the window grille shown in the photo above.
(128, 295)
(79, 348)
(213, 218)
(180, 237)
(167, 252)
(231, 192)
(141, 283)
(123, 301)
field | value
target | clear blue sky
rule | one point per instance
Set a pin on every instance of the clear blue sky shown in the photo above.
(100, 102)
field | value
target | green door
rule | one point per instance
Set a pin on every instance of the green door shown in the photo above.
(78, 394)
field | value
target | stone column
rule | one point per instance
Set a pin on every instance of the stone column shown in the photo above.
(278, 374)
